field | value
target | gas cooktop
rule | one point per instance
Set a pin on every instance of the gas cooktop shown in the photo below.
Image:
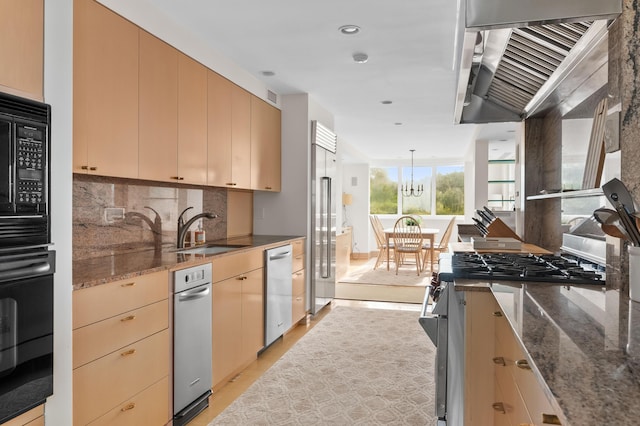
(523, 267)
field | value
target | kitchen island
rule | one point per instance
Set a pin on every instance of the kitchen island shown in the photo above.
(582, 343)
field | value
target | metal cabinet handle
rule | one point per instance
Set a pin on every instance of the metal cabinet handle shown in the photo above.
(550, 419)
(177, 177)
(499, 406)
(129, 352)
(231, 183)
(129, 406)
(268, 187)
(93, 168)
(241, 278)
(129, 318)
(84, 167)
(497, 314)
(499, 360)
(523, 364)
(131, 284)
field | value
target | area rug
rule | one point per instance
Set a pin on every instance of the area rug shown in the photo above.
(358, 366)
(406, 276)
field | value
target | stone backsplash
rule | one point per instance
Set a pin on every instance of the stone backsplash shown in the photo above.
(116, 216)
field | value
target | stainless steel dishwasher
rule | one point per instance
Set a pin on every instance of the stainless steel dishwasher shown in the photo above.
(192, 379)
(278, 291)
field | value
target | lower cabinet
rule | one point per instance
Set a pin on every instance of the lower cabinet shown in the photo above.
(237, 313)
(33, 417)
(122, 352)
(298, 310)
(500, 387)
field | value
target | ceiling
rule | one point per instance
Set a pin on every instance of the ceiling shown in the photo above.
(410, 48)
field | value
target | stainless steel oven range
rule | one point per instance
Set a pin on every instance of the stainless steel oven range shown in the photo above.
(26, 263)
(444, 319)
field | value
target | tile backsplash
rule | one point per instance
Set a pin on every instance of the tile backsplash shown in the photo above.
(114, 216)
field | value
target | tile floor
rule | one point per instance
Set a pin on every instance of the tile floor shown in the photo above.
(226, 395)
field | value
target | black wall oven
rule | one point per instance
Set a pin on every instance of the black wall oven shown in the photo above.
(26, 263)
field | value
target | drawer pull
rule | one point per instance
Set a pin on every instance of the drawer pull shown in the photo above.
(298, 274)
(267, 187)
(298, 299)
(131, 284)
(129, 318)
(84, 167)
(129, 406)
(499, 406)
(93, 168)
(523, 364)
(497, 314)
(550, 419)
(177, 177)
(231, 183)
(129, 352)
(499, 360)
(241, 278)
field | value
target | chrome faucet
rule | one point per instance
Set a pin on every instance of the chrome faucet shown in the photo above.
(183, 227)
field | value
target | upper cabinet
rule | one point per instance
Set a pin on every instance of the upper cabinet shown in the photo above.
(105, 92)
(158, 109)
(265, 146)
(22, 48)
(144, 110)
(229, 134)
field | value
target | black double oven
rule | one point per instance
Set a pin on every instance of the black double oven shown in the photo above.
(27, 263)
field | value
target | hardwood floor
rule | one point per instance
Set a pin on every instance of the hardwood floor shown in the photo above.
(226, 395)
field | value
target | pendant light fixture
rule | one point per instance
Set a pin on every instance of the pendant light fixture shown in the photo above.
(409, 190)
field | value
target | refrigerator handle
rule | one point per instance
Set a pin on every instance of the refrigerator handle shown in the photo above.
(325, 251)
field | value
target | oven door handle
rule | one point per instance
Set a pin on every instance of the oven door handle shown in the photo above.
(23, 268)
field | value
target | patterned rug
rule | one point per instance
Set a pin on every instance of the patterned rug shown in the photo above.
(406, 276)
(357, 366)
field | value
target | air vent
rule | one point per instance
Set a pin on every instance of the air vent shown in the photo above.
(322, 136)
(272, 97)
(24, 108)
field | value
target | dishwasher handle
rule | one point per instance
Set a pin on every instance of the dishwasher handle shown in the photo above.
(196, 293)
(280, 255)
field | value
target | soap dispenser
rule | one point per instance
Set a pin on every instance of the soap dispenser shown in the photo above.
(200, 237)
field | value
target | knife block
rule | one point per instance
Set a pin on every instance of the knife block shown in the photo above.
(497, 228)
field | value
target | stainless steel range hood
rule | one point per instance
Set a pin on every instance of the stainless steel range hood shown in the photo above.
(513, 56)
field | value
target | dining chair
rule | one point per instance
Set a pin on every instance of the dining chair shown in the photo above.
(407, 240)
(442, 245)
(378, 231)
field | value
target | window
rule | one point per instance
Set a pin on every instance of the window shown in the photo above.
(443, 190)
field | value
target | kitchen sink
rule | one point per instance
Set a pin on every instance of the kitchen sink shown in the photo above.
(204, 250)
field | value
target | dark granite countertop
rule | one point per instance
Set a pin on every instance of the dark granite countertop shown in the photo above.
(583, 343)
(101, 270)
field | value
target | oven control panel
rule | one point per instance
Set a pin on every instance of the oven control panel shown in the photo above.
(30, 167)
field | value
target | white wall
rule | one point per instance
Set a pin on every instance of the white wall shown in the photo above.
(58, 82)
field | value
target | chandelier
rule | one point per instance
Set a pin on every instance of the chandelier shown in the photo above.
(409, 190)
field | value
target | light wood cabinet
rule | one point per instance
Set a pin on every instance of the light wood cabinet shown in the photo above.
(192, 121)
(122, 352)
(158, 109)
(22, 48)
(105, 92)
(237, 313)
(229, 134)
(265, 146)
(298, 310)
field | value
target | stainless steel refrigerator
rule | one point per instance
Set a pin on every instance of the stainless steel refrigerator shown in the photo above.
(323, 216)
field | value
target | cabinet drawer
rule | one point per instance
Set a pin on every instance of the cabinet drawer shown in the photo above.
(103, 337)
(298, 283)
(508, 395)
(104, 301)
(298, 247)
(297, 308)
(149, 407)
(235, 264)
(105, 383)
(297, 263)
(33, 417)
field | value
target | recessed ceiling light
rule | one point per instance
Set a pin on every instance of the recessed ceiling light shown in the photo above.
(398, 124)
(349, 29)
(360, 58)
(268, 73)
(386, 102)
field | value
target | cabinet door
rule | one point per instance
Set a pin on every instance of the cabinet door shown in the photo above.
(192, 121)
(226, 326)
(22, 47)
(158, 147)
(252, 314)
(265, 146)
(219, 130)
(105, 92)
(240, 137)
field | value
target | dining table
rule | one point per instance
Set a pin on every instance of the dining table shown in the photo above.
(427, 234)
